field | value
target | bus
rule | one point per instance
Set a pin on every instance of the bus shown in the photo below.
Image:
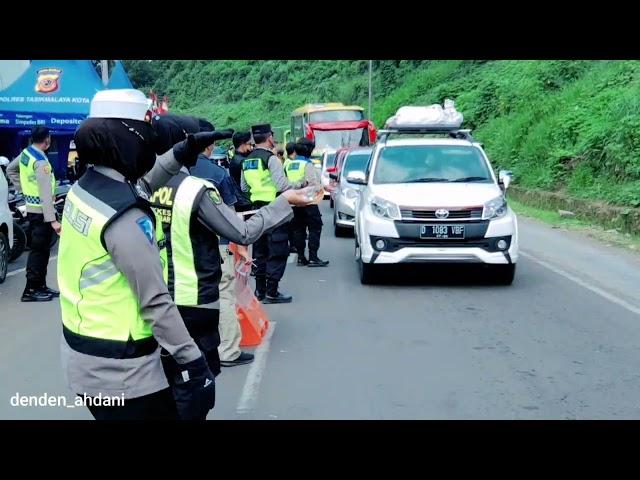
(331, 126)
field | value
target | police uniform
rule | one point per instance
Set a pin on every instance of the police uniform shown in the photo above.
(32, 173)
(308, 217)
(116, 308)
(263, 177)
(192, 213)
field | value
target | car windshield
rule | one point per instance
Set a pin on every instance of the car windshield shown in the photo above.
(330, 160)
(431, 163)
(356, 162)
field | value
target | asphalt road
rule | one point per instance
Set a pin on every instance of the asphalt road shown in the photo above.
(563, 342)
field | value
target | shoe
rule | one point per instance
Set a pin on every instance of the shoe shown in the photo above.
(303, 262)
(316, 262)
(33, 295)
(243, 359)
(293, 250)
(260, 295)
(50, 291)
(277, 298)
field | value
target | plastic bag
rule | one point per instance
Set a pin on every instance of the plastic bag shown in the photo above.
(253, 320)
(433, 116)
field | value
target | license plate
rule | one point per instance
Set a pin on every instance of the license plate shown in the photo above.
(445, 232)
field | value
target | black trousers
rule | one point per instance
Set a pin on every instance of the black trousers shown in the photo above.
(156, 406)
(307, 218)
(270, 252)
(38, 260)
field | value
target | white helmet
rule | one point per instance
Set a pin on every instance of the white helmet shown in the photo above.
(126, 103)
(4, 161)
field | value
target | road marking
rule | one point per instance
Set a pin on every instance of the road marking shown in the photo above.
(597, 290)
(251, 387)
(20, 270)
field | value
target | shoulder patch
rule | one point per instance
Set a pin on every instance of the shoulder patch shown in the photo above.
(214, 196)
(146, 225)
(47, 169)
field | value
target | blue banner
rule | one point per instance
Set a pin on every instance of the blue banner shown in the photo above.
(59, 121)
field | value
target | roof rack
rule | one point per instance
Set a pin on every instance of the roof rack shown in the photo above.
(457, 133)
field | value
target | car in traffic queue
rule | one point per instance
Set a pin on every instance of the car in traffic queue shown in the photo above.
(6, 225)
(345, 193)
(430, 195)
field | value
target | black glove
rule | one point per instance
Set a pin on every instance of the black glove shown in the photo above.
(187, 151)
(194, 390)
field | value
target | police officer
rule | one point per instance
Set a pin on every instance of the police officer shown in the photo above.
(308, 217)
(193, 214)
(263, 177)
(242, 146)
(290, 149)
(31, 172)
(116, 308)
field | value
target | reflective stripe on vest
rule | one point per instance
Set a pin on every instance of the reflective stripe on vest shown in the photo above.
(262, 188)
(28, 181)
(295, 170)
(98, 305)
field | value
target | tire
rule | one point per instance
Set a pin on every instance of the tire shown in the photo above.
(5, 251)
(368, 272)
(503, 274)
(19, 242)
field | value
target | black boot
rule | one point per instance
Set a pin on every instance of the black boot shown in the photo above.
(302, 261)
(261, 288)
(274, 296)
(314, 260)
(50, 291)
(35, 295)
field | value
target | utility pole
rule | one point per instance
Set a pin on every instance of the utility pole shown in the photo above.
(104, 67)
(370, 90)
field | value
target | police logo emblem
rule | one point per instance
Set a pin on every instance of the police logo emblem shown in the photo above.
(214, 196)
(48, 80)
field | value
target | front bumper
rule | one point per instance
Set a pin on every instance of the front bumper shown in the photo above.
(403, 244)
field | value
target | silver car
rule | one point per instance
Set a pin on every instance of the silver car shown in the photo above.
(345, 194)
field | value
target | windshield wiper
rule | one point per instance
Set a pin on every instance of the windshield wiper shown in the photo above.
(471, 179)
(427, 180)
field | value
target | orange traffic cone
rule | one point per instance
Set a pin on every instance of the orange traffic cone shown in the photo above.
(254, 321)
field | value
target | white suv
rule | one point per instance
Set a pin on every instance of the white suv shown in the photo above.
(431, 196)
(6, 223)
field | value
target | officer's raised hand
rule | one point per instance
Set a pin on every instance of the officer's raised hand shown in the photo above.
(186, 152)
(194, 390)
(300, 197)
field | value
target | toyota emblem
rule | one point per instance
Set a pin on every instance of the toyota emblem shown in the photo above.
(442, 213)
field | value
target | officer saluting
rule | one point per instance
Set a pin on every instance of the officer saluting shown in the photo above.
(31, 173)
(115, 305)
(264, 178)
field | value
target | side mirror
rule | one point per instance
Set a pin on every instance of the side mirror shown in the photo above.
(333, 176)
(505, 177)
(357, 177)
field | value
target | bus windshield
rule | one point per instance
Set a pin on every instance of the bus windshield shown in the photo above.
(336, 116)
(336, 139)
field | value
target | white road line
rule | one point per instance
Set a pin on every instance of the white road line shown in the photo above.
(251, 387)
(20, 270)
(597, 290)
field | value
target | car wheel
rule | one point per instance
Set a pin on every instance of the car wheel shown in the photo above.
(5, 251)
(368, 272)
(504, 274)
(19, 242)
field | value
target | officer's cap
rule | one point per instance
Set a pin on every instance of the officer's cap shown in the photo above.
(264, 129)
(125, 103)
(241, 137)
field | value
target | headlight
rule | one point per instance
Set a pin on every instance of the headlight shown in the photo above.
(495, 208)
(350, 193)
(384, 209)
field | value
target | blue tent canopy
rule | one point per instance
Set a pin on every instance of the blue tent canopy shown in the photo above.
(119, 77)
(53, 93)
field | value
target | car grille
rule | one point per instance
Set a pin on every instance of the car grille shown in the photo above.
(469, 213)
